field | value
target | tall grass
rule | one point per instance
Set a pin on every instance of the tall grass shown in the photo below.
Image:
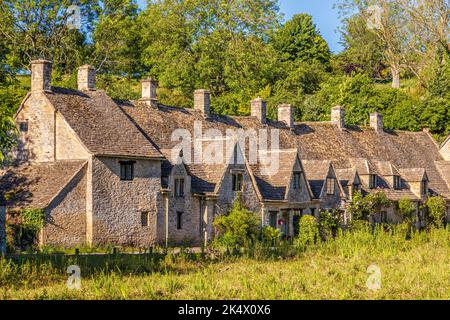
(414, 267)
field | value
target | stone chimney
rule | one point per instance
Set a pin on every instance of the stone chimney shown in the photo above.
(202, 101)
(376, 121)
(258, 109)
(286, 114)
(149, 96)
(41, 75)
(86, 78)
(337, 116)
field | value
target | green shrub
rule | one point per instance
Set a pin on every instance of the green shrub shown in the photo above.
(271, 235)
(328, 224)
(406, 209)
(308, 233)
(436, 211)
(239, 228)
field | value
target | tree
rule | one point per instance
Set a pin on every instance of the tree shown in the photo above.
(212, 44)
(41, 29)
(406, 209)
(117, 39)
(299, 40)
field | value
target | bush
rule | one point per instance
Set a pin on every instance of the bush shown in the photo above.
(436, 211)
(406, 209)
(328, 224)
(271, 235)
(308, 233)
(239, 228)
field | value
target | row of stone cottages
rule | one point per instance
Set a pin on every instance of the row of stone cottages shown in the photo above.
(103, 171)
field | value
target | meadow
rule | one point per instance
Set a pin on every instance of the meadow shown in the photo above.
(414, 268)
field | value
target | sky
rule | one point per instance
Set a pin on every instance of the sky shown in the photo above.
(324, 16)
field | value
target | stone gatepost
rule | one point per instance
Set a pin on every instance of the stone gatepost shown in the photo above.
(2, 231)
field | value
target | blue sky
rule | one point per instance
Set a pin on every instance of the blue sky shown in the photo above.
(324, 16)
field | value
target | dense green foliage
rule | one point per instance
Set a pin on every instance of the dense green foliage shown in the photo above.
(238, 50)
(436, 211)
(240, 227)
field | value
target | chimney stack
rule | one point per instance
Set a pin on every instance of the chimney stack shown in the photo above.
(258, 109)
(202, 101)
(86, 78)
(376, 121)
(337, 116)
(149, 96)
(286, 114)
(41, 75)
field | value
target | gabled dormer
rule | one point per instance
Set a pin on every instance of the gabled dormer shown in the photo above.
(366, 172)
(416, 180)
(324, 183)
(349, 180)
(389, 175)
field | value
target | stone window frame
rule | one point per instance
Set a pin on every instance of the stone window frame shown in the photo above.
(331, 186)
(145, 219)
(180, 220)
(397, 182)
(127, 170)
(237, 181)
(297, 180)
(423, 187)
(178, 186)
(372, 181)
(23, 126)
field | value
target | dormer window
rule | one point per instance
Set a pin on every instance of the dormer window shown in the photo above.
(372, 181)
(331, 186)
(179, 187)
(237, 181)
(297, 180)
(397, 182)
(423, 187)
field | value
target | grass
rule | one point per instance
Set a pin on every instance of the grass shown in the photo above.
(418, 268)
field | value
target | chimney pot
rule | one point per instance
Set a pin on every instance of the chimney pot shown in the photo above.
(149, 96)
(41, 75)
(258, 109)
(376, 121)
(337, 116)
(286, 114)
(202, 101)
(86, 78)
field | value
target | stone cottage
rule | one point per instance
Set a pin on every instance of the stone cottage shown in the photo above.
(105, 172)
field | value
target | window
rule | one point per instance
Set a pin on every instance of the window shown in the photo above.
(23, 126)
(297, 180)
(237, 181)
(145, 220)
(179, 220)
(424, 187)
(179, 187)
(372, 181)
(164, 181)
(273, 219)
(331, 186)
(397, 182)
(127, 170)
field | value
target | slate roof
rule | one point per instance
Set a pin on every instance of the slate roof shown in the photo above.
(35, 185)
(273, 186)
(346, 176)
(316, 172)
(100, 123)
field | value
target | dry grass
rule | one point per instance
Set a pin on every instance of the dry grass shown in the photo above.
(411, 269)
